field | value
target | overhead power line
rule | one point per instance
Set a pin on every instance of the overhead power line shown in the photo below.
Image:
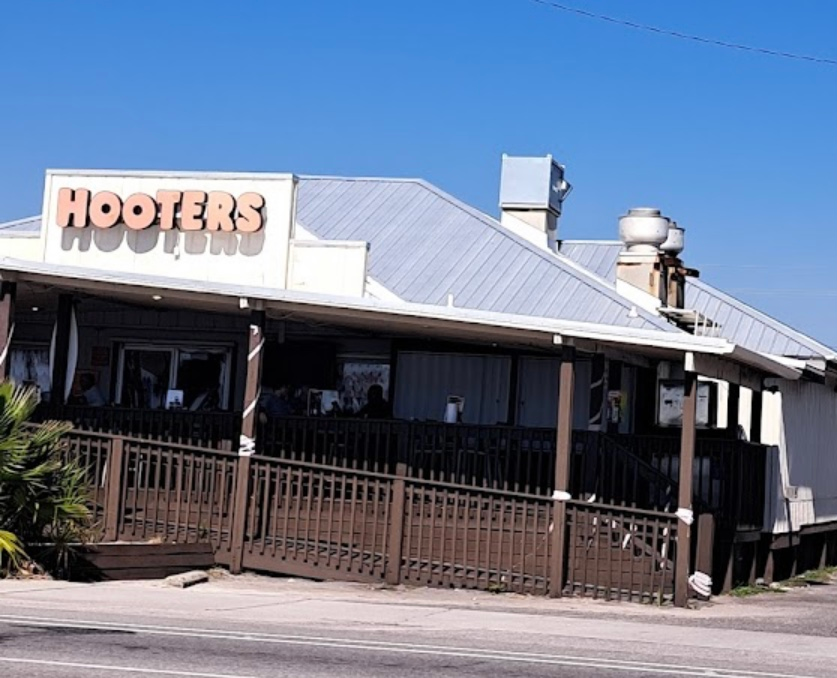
(685, 36)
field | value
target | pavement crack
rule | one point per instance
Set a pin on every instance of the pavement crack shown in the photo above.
(257, 605)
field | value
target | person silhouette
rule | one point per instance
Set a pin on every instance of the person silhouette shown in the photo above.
(376, 405)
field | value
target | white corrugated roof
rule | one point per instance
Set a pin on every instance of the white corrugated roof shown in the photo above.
(739, 322)
(29, 225)
(426, 245)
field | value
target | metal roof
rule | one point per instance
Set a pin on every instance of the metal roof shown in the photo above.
(740, 323)
(429, 320)
(28, 225)
(425, 245)
(597, 256)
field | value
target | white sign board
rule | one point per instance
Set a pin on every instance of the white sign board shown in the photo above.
(226, 228)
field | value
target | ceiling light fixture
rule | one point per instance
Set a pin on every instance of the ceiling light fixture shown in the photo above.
(156, 297)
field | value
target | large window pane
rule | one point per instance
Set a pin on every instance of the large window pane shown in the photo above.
(146, 375)
(201, 375)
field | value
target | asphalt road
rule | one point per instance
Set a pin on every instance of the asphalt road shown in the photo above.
(213, 633)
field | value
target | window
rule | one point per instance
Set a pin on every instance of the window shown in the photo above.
(30, 366)
(148, 373)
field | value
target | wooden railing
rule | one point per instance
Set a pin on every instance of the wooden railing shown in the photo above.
(728, 475)
(204, 429)
(620, 554)
(141, 489)
(505, 458)
(312, 519)
(624, 470)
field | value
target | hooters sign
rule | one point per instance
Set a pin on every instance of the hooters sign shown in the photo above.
(169, 210)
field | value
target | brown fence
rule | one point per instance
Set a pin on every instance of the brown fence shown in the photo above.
(205, 429)
(625, 470)
(317, 521)
(143, 489)
(620, 554)
(728, 475)
(324, 521)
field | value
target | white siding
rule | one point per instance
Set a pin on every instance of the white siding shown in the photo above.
(807, 461)
(537, 393)
(425, 380)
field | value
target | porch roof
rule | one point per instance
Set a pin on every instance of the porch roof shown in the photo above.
(397, 316)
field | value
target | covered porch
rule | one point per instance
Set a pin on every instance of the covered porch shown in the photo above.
(560, 415)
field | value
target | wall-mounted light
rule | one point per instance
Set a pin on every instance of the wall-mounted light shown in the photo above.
(35, 309)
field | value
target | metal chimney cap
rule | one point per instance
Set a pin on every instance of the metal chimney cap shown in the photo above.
(675, 242)
(643, 230)
(644, 212)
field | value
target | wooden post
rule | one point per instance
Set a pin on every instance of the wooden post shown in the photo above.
(733, 400)
(114, 488)
(238, 525)
(687, 459)
(253, 385)
(62, 348)
(8, 292)
(563, 458)
(755, 418)
(252, 391)
(396, 526)
(705, 543)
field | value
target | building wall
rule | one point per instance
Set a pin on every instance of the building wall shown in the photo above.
(424, 380)
(111, 329)
(24, 247)
(537, 393)
(107, 326)
(805, 466)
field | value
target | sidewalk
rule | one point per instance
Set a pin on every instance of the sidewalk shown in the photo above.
(232, 623)
(803, 612)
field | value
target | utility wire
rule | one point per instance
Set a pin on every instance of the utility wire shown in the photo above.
(685, 36)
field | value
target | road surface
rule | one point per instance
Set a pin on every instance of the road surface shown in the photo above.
(215, 631)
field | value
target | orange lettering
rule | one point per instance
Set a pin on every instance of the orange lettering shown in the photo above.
(191, 210)
(72, 207)
(105, 209)
(139, 211)
(167, 201)
(250, 217)
(219, 210)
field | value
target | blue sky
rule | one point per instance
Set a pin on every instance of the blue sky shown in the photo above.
(739, 148)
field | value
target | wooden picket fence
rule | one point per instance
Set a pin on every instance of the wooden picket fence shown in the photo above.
(313, 519)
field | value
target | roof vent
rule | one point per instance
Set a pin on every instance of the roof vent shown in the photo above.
(532, 194)
(643, 230)
(675, 241)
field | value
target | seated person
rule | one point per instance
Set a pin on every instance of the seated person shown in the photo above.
(376, 405)
(277, 403)
(90, 393)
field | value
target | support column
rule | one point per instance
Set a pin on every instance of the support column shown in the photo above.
(684, 503)
(563, 458)
(58, 395)
(253, 385)
(8, 292)
(733, 400)
(755, 417)
(252, 391)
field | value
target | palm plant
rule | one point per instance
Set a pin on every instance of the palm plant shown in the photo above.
(43, 498)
